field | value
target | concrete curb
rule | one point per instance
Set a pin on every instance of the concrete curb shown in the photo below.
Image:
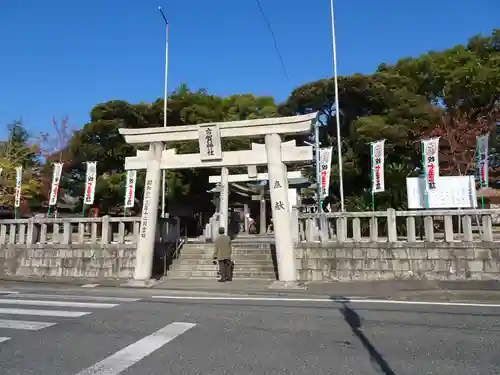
(389, 290)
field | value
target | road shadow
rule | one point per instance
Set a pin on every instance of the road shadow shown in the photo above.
(354, 320)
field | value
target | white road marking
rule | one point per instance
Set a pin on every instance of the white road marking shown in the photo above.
(56, 303)
(123, 359)
(8, 292)
(59, 313)
(89, 285)
(270, 299)
(24, 324)
(2, 339)
(73, 297)
(336, 300)
(429, 303)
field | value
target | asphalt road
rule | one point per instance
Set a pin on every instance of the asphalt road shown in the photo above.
(87, 332)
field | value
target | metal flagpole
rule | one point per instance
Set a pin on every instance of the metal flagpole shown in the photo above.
(318, 166)
(165, 93)
(337, 110)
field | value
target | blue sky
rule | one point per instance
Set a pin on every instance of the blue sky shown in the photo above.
(60, 58)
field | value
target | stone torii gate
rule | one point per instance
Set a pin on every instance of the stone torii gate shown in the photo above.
(251, 175)
(273, 153)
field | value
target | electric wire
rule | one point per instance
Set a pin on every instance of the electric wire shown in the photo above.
(273, 36)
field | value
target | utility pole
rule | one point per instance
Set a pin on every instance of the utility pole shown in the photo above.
(337, 109)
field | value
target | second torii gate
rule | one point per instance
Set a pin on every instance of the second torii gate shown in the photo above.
(274, 153)
(251, 175)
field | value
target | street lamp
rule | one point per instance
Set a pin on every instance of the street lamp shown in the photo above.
(337, 109)
(163, 172)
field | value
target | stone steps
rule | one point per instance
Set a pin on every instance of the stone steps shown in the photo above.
(177, 274)
(237, 257)
(252, 261)
(235, 253)
(210, 267)
(241, 262)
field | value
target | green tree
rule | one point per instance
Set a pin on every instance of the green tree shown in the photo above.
(18, 151)
(464, 76)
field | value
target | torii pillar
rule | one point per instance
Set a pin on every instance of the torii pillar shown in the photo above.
(278, 187)
(149, 215)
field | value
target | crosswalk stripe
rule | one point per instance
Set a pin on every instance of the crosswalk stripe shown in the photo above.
(24, 324)
(9, 301)
(90, 285)
(2, 339)
(59, 313)
(127, 357)
(74, 297)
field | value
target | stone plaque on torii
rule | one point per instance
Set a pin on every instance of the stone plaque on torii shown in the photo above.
(274, 153)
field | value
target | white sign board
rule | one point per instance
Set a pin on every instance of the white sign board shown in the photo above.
(309, 209)
(210, 143)
(451, 192)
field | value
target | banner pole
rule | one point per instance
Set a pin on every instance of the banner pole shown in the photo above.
(372, 174)
(426, 193)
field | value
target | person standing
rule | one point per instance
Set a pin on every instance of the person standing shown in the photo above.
(222, 254)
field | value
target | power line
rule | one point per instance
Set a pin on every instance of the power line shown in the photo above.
(274, 38)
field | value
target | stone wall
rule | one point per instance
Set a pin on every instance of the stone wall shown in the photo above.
(395, 261)
(89, 261)
(80, 248)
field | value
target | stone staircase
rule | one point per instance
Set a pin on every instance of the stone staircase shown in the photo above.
(252, 256)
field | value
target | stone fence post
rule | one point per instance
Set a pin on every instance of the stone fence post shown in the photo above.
(392, 232)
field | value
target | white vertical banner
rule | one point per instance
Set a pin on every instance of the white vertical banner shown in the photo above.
(431, 162)
(325, 169)
(482, 159)
(56, 180)
(377, 163)
(19, 181)
(130, 189)
(90, 181)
